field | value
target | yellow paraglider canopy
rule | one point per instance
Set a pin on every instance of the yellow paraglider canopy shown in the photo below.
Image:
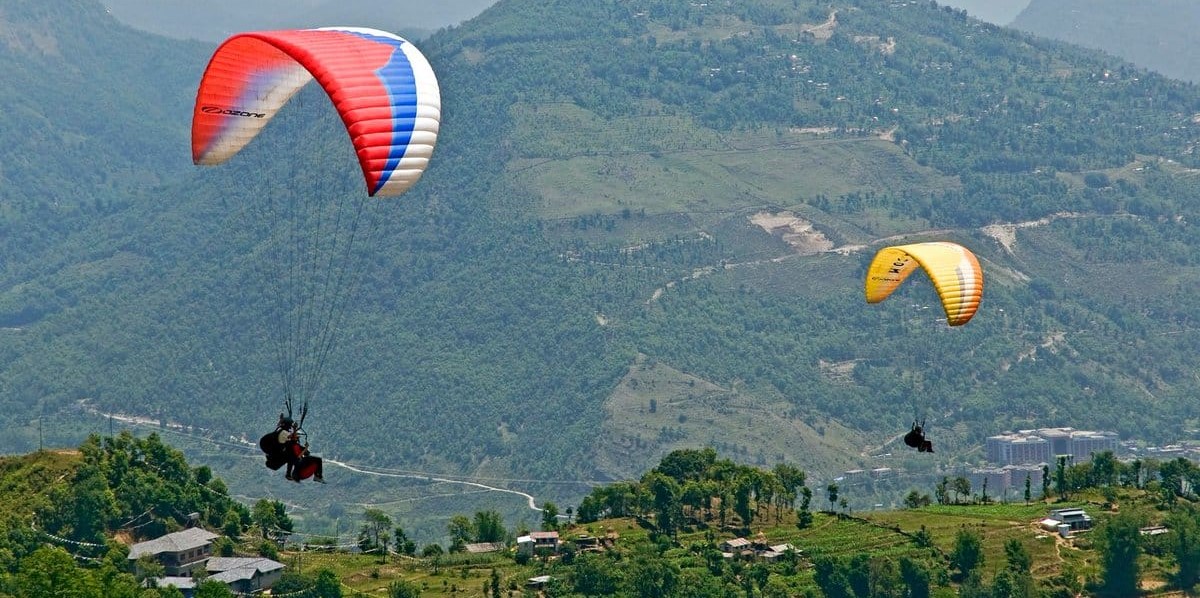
(954, 270)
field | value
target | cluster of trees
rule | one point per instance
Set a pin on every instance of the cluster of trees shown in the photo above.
(868, 576)
(61, 512)
(693, 487)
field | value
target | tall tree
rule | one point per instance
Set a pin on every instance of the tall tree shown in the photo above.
(743, 492)
(1120, 543)
(590, 509)
(404, 544)
(1017, 556)
(885, 580)
(1060, 477)
(461, 532)
(651, 576)
(374, 531)
(687, 464)
(51, 571)
(668, 511)
(494, 583)
(916, 578)
(832, 576)
(805, 517)
(792, 478)
(967, 555)
(1185, 529)
(271, 517)
(549, 516)
(694, 497)
(1015, 581)
(327, 584)
(961, 487)
(594, 575)
(858, 573)
(1104, 468)
(489, 526)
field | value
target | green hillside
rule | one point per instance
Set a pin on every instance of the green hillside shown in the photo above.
(672, 203)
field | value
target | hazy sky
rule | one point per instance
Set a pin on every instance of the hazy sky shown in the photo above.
(1000, 12)
(1163, 35)
(214, 20)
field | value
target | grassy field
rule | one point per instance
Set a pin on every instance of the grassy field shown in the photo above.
(579, 163)
(997, 524)
(689, 412)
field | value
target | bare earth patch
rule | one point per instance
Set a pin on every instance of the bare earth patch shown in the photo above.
(473, 55)
(1051, 343)
(837, 371)
(824, 31)
(21, 40)
(656, 408)
(814, 130)
(887, 48)
(796, 232)
(1006, 234)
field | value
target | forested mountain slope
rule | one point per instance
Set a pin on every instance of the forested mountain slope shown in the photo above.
(1157, 34)
(645, 226)
(90, 114)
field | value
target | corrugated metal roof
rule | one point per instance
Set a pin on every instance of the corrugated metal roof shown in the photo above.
(481, 547)
(187, 539)
(229, 563)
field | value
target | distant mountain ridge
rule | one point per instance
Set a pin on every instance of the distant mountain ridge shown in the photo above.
(215, 20)
(1162, 35)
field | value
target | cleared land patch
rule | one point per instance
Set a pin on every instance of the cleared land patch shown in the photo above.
(579, 163)
(656, 409)
(797, 232)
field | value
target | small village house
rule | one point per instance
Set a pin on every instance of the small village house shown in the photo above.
(179, 553)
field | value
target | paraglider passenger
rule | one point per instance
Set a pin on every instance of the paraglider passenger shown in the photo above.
(305, 466)
(916, 439)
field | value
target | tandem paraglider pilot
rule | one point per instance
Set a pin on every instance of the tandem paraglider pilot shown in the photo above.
(916, 439)
(283, 446)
